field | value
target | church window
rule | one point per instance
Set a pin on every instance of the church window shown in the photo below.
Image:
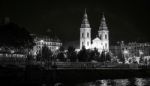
(87, 43)
(105, 36)
(106, 45)
(100, 37)
(88, 35)
(82, 35)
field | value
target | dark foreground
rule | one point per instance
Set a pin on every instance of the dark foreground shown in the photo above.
(38, 76)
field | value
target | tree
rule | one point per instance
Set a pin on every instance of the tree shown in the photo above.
(30, 58)
(61, 54)
(83, 55)
(44, 54)
(122, 58)
(94, 55)
(108, 56)
(102, 57)
(14, 37)
(61, 49)
(71, 54)
(141, 59)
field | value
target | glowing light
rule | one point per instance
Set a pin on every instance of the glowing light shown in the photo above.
(57, 48)
(125, 52)
(140, 52)
(42, 41)
(12, 51)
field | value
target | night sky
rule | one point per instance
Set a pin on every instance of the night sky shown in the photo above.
(126, 20)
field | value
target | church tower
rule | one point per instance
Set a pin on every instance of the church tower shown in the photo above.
(103, 34)
(85, 33)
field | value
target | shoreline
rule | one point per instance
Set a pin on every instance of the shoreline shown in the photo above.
(37, 75)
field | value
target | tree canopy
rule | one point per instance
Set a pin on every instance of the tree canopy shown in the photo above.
(71, 54)
(45, 54)
(83, 55)
(11, 35)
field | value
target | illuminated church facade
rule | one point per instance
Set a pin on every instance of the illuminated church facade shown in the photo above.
(101, 42)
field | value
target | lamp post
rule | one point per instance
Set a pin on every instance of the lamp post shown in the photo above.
(41, 46)
(141, 54)
(125, 53)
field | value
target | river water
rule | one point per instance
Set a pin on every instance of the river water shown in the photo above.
(118, 82)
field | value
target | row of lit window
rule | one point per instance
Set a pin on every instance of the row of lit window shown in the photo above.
(89, 42)
(138, 44)
(88, 35)
(101, 36)
(49, 43)
(50, 47)
(135, 48)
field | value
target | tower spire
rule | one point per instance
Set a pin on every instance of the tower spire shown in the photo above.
(85, 11)
(103, 17)
(85, 22)
(104, 34)
(85, 32)
(103, 25)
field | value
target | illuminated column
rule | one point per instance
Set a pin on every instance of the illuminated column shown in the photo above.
(85, 33)
(103, 34)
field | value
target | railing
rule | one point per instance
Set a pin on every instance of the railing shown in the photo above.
(12, 55)
(89, 65)
(77, 64)
(70, 65)
(14, 61)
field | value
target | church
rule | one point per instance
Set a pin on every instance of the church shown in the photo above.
(101, 42)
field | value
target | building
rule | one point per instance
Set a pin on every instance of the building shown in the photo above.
(137, 49)
(116, 49)
(101, 42)
(131, 50)
(50, 40)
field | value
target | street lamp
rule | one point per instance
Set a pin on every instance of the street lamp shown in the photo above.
(141, 53)
(41, 42)
(125, 53)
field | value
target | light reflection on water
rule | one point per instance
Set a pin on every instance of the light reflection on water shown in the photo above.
(140, 82)
(119, 82)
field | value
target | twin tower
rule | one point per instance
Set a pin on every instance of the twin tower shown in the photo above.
(101, 42)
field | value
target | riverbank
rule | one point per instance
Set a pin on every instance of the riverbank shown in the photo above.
(13, 75)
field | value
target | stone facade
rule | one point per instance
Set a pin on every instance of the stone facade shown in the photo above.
(52, 42)
(101, 42)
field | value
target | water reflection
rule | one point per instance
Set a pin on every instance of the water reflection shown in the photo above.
(140, 82)
(119, 82)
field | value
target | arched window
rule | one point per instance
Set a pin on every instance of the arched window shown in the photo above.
(88, 35)
(106, 45)
(100, 37)
(87, 43)
(105, 36)
(82, 35)
(82, 43)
